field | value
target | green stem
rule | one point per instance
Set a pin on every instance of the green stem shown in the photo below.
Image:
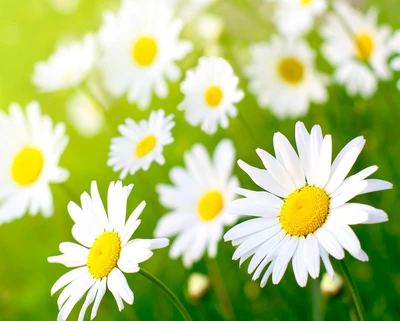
(186, 316)
(316, 300)
(247, 127)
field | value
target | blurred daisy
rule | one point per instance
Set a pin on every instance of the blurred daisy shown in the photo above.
(67, 67)
(283, 77)
(210, 94)
(198, 201)
(359, 51)
(304, 214)
(30, 151)
(141, 143)
(395, 46)
(141, 47)
(104, 253)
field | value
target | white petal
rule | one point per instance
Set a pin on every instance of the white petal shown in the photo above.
(68, 278)
(330, 243)
(121, 285)
(99, 296)
(88, 301)
(283, 259)
(299, 264)
(374, 185)
(311, 255)
(263, 197)
(249, 227)
(245, 206)
(325, 259)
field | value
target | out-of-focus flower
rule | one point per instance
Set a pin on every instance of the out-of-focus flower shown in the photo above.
(190, 9)
(210, 94)
(30, 151)
(198, 199)
(141, 47)
(395, 46)
(104, 252)
(357, 48)
(65, 6)
(141, 143)
(331, 287)
(209, 28)
(198, 285)
(303, 214)
(283, 77)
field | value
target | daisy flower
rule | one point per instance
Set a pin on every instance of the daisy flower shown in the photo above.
(141, 47)
(198, 200)
(141, 143)
(210, 94)
(31, 148)
(67, 67)
(357, 48)
(395, 45)
(283, 77)
(104, 252)
(303, 214)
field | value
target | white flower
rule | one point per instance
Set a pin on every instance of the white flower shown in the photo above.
(395, 46)
(141, 48)
(357, 48)
(30, 151)
(198, 199)
(141, 143)
(67, 67)
(106, 250)
(210, 94)
(283, 77)
(303, 214)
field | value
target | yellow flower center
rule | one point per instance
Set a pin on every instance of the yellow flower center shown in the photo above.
(27, 166)
(365, 46)
(104, 254)
(213, 96)
(291, 70)
(144, 51)
(210, 205)
(305, 2)
(304, 211)
(145, 146)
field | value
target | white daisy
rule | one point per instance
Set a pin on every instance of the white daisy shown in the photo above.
(104, 253)
(283, 77)
(30, 152)
(303, 214)
(67, 67)
(210, 94)
(357, 48)
(141, 143)
(198, 200)
(141, 48)
(395, 46)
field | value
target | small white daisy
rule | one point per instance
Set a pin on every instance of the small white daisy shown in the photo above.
(198, 199)
(283, 77)
(395, 46)
(303, 214)
(210, 94)
(141, 48)
(67, 67)
(106, 250)
(31, 148)
(357, 48)
(141, 143)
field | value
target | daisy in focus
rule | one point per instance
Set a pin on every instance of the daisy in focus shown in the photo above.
(141, 143)
(198, 200)
(210, 94)
(358, 49)
(283, 77)
(304, 214)
(105, 251)
(140, 49)
(31, 150)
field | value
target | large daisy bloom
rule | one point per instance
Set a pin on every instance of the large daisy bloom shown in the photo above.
(31, 148)
(141, 47)
(304, 214)
(67, 67)
(357, 48)
(105, 251)
(210, 94)
(283, 77)
(141, 143)
(198, 201)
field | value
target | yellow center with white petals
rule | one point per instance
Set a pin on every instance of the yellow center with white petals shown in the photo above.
(27, 166)
(213, 96)
(364, 46)
(304, 211)
(210, 205)
(145, 146)
(144, 51)
(291, 70)
(104, 254)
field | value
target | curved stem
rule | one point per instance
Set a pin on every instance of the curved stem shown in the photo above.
(186, 316)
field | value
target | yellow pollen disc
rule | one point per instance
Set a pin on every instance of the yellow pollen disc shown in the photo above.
(145, 146)
(291, 70)
(104, 254)
(213, 96)
(304, 211)
(27, 166)
(144, 51)
(365, 46)
(210, 205)
(305, 2)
